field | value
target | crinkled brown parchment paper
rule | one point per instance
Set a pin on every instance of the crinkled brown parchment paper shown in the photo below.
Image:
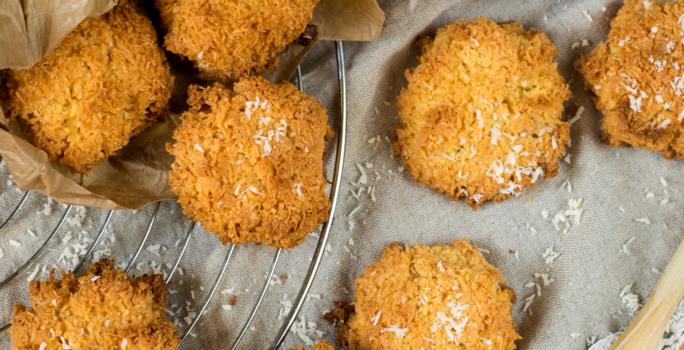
(136, 175)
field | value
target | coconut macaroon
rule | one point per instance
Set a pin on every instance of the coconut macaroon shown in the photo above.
(438, 297)
(637, 75)
(228, 39)
(104, 309)
(105, 83)
(481, 115)
(249, 162)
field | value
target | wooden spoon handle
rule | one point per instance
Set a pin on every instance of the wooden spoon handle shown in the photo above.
(646, 330)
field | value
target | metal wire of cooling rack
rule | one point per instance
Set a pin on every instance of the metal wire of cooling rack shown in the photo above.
(308, 279)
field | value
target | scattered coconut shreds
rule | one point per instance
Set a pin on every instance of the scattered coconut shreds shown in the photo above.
(285, 307)
(645, 221)
(663, 181)
(47, 207)
(550, 256)
(565, 218)
(528, 303)
(546, 281)
(363, 177)
(577, 116)
(154, 249)
(575, 335)
(567, 184)
(351, 222)
(306, 330)
(315, 296)
(625, 247)
(369, 176)
(665, 199)
(33, 274)
(78, 217)
(630, 300)
(65, 344)
(375, 319)
(545, 277)
(398, 331)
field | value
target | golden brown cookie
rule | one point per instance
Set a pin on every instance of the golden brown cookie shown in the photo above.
(440, 297)
(249, 162)
(229, 39)
(481, 115)
(105, 83)
(102, 309)
(637, 75)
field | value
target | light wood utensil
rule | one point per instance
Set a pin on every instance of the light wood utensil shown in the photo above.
(646, 330)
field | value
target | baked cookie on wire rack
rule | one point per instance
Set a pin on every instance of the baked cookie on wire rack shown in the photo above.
(102, 309)
(444, 296)
(637, 75)
(481, 114)
(105, 83)
(249, 162)
(229, 39)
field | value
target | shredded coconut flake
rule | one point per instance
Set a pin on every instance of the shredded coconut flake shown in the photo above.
(630, 300)
(625, 247)
(550, 256)
(306, 330)
(645, 221)
(398, 331)
(298, 189)
(454, 324)
(375, 319)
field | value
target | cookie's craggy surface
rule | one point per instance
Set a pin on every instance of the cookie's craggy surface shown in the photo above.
(228, 39)
(106, 82)
(439, 297)
(637, 75)
(102, 309)
(249, 162)
(481, 115)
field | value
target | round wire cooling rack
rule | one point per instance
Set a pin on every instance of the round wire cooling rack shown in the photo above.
(183, 245)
